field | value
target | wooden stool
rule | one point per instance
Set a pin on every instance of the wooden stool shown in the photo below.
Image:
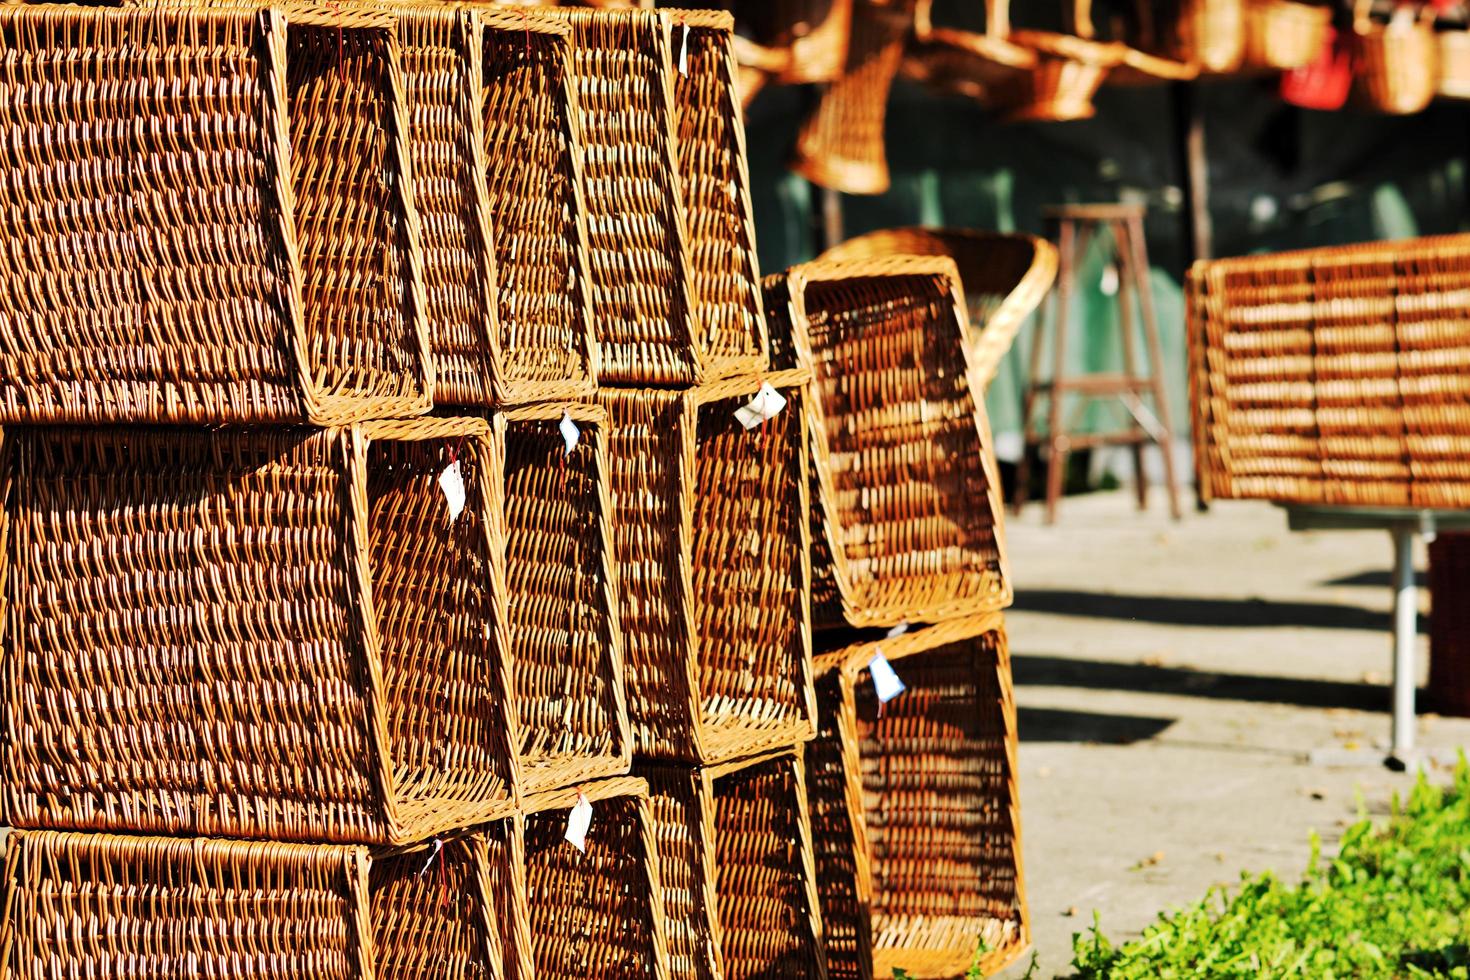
(1074, 224)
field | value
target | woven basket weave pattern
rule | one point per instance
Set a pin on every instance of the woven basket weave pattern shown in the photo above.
(562, 592)
(712, 533)
(214, 326)
(538, 212)
(596, 915)
(710, 140)
(914, 809)
(742, 901)
(640, 277)
(129, 908)
(239, 633)
(905, 487)
(441, 57)
(434, 913)
(1334, 375)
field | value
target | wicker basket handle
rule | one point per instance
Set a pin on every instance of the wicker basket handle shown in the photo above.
(1082, 24)
(1363, 15)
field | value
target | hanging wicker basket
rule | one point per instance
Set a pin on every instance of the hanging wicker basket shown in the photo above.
(1283, 34)
(1070, 69)
(1454, 64)
(1397, 66)
(1208, 33)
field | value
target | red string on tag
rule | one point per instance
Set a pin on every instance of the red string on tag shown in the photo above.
(526, 23)
(443, 883)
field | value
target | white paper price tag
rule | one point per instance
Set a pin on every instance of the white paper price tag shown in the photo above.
(898, 630)
(885, 682)
(433, 853)
(766, 404)
(569, 431)
(579, 821)
(684, 53)
(451, 481)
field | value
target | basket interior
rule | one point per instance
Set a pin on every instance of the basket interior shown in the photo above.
(431, 586)
(938, 796)
(535, 208)
(748, 574)
(762, 891)
(430, 915)
(913, 505)
(590, 913)
(351, 222)
(716, 202)
(458, 277)
(559, 596)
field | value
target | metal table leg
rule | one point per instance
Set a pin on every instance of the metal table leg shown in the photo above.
(1405, 635)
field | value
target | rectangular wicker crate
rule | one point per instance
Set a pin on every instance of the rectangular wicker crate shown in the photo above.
(562, 597)
(598, 914)
(80, 904)
(735, 848)
(264, 263)
(1334, 375)
(642, 293)
(709, 137)
(907, 514)
(714, 569)
(253, 633)
(914, 809)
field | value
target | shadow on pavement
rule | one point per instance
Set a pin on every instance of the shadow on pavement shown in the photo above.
(1057, 725)
(1174, 611)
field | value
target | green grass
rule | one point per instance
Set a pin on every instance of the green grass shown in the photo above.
(1395, 903)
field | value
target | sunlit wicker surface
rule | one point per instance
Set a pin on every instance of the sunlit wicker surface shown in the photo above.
(907, 519)
(914, 809)
(271, 634)
(735, 847)
(1005, 277)
(268, 268)
(434, 912)
(1335, 375)
(562, 597)
(597, 915)
(712, 544)
(709, 136)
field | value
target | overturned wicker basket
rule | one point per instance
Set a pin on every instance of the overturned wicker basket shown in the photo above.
(907, 519)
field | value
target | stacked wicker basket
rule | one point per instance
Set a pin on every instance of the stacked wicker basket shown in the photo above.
(406, 565)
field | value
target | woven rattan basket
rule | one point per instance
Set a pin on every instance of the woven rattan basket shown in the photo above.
(505, 853)
(1005, 278)
(143, 906)
(914, 809)
(840, 145)
(709, 135)
(1284, 34)
(1396, 65)
(1069, 71)
(642, 294)
(712, 542)
(567, 647)
(1207, 33)
(538, 209)
(268, 268)
(435, 911)
(814, 32)
(597, 915)
(272, 634)
(907, 517)
(739, 881)
(1335, 375)
(1454, 64)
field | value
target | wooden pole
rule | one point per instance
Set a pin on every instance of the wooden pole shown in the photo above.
(1194, 173)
